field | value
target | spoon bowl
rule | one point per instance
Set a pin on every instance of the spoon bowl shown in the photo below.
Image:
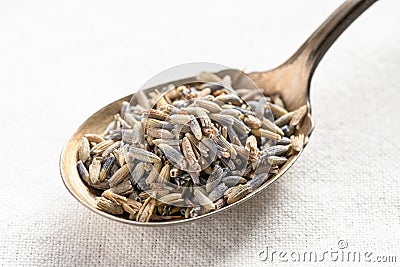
(291, 81)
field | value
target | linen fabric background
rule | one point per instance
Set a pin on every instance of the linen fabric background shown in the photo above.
(60, 61)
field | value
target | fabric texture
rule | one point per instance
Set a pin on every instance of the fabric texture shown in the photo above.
(62, 61)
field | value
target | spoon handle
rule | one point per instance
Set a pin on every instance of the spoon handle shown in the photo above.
(312, 51)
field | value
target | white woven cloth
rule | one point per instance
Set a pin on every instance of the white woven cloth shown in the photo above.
(60, 61)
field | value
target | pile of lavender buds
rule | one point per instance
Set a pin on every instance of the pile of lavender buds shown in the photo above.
(187, 150)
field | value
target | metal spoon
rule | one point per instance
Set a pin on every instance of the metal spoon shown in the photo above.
(291, 80)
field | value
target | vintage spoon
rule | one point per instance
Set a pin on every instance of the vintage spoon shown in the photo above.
(291, 80)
